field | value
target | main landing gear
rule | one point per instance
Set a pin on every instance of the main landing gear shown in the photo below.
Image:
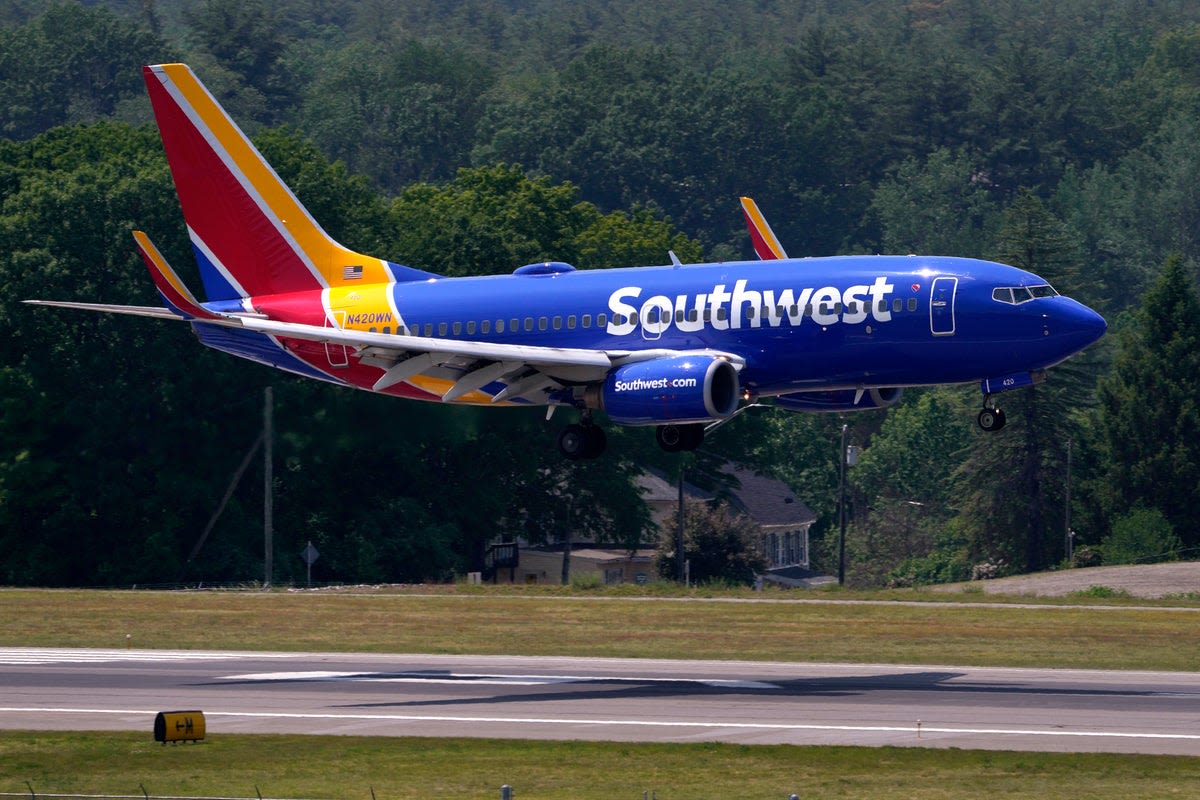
(678, 438)
(991, 419)
(582, 441)
(585, 439)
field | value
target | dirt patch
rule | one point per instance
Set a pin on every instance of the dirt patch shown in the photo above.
(1149, 580)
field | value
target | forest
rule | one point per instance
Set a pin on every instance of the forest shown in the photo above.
(474, 136)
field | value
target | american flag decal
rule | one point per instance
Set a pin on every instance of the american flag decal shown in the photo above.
(352, 273)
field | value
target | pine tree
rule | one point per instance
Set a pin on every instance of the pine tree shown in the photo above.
(1012, 484)
(1146, 428)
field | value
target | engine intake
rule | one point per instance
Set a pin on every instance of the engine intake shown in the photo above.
(672, 389)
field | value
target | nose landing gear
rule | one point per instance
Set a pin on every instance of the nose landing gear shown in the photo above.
(991, 419)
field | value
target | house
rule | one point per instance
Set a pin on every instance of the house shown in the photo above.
(782, 519)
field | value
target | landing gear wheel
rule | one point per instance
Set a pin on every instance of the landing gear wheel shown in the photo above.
(678, 438)
(578, 442)
(992, 419)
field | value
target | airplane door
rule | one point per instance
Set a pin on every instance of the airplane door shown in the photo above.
(941, 306)
(338, 355)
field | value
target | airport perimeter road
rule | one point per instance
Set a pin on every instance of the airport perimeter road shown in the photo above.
(604, 699)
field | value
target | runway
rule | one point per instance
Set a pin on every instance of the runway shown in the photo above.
(604, 699)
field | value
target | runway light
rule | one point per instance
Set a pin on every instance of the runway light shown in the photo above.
(179, 726)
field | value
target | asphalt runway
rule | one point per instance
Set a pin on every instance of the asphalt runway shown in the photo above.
(604, 699)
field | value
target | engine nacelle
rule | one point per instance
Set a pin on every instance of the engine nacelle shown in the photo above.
(685, 388)
(839, 400)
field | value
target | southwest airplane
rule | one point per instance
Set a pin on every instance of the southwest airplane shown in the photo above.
(678, 347)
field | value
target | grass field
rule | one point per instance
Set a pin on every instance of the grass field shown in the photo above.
(355, 768)
(468, 620)
(524, 623)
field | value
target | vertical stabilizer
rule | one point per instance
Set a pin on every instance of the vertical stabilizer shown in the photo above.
(250, 234)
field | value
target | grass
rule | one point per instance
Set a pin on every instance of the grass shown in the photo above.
(359, 768)
(585, 622)
(535, 623)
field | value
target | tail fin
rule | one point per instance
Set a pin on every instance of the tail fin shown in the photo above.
(761, 235)
(250, 234)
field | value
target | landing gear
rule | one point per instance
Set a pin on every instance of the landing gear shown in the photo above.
(677, 438)
(991, 419)
(582, 441)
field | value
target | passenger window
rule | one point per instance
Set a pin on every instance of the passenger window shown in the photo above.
(442, 329)
(457, 328)
(601, 320)
(558, 323)
(912, 304)
(693, 315)
(387, 329)
(471, 328)
(499, 326)
(881, 306)
(722, 314)
(485, 326)
(750, 312)
(541, 323)
(514, 324)
(528, 324)
(571, 322)
(587, 320)
(372, 329)
(428, 329)
(897, 305)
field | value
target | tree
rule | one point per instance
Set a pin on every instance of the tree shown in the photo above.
(904, 478)
(720, 545)
(1146, 427)
(1011, 485)
(71, 65)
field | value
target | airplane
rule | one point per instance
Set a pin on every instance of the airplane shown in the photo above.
(676, 347)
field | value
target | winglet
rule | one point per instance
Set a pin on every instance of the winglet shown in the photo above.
(174, 293)
(765, 243)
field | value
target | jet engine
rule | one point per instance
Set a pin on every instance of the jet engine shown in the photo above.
(685, 388)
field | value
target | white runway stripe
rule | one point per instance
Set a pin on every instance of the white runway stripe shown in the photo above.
(924, 730)
(486, 679)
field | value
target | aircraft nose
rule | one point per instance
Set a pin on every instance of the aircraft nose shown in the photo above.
(1077, 324)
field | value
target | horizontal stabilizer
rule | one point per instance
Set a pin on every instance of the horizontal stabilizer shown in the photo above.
(172, 289)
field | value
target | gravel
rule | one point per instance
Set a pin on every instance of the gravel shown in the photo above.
(1149, 581)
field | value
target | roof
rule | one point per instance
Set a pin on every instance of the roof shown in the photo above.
(767, 501)
(656, 488)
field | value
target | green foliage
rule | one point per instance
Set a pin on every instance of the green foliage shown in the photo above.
(1142, 536)
(1051, 135)
(1144, 431)
(722, 547)
(71, 65)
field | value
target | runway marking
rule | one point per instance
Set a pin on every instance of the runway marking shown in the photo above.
(486, 679)
(757, 726)
(15, 656)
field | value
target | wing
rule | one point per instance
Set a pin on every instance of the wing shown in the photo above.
(449, 369)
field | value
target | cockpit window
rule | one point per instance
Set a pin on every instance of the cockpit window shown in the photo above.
(1022, 294)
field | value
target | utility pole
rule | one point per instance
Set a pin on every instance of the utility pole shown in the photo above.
(268, 486)
(679, 576)
(842, 509)
(1067, 543)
